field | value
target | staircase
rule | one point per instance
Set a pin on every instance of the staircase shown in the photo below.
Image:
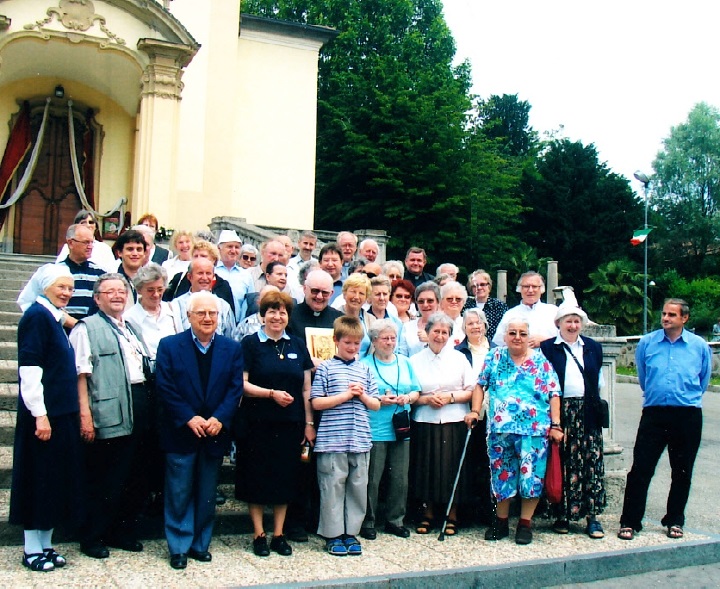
(16, 270)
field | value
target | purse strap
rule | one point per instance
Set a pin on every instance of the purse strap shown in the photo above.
(580, 366)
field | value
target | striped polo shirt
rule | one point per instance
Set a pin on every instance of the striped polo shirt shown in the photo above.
(346, 427)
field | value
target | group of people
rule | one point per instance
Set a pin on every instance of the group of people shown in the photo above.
(135, 380)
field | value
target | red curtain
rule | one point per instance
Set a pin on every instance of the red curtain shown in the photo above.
(17, 147)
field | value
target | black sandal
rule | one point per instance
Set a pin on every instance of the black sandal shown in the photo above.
(424, 527)
(57, 559)
(37, 561)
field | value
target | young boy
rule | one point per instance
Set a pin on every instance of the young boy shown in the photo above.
(343, 390)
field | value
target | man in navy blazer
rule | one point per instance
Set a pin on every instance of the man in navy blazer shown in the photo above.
(199, 383)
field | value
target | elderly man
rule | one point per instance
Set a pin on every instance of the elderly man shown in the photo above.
(415, 260)
(199, 384)
(347, 242)
(480, 285)
(85, 273)
(114, 420)
(331, 261)
(270, 251)
(306, 246)
(540, 316)
(369, 250)
(201, 274)
(312, 312)
(674, 368)
(241, 282)
(448, 269)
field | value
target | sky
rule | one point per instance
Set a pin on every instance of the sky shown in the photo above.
(618, 74)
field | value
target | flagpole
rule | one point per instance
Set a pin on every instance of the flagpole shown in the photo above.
(645, 181)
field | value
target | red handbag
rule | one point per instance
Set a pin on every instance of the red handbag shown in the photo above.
(553, 475)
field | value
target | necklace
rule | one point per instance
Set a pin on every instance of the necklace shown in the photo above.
(281, 352)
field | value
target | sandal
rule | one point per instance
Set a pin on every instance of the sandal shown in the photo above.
(594, 529)
(561, 526)
(57, 559)
(675, 532)
(336, 547)
(626, 534)
(37, 561)
(451, 527)
(424, 527)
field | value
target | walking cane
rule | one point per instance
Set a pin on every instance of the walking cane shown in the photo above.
(441, 537)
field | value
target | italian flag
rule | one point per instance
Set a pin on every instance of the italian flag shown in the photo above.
(639, 236)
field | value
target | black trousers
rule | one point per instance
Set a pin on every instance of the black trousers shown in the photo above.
(679, 429)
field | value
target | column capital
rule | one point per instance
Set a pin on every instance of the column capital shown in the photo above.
(163, 75)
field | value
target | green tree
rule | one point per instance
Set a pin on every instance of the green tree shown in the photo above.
(578, 211)
(615, 296)
(506, 120)
(397, 147)
(686, 191)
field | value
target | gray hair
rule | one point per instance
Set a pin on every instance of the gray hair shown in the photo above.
(439, 318)
(82, 215)
(250, 248)
(106, 278)
(397, 264)
(380, 281)
(453, 285)
(196, 298)
(381, 325)
(428, 286)
(150, 273)
(530, 274)
(443, 269)
(516, 319)
(479, 313)
(306, 268)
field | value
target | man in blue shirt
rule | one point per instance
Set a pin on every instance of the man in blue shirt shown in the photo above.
(674, 371)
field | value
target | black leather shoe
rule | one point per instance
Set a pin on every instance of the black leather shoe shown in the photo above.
(498, 530)
(260, 546)
(399, 531)
(368, 533)
(523, 535)
(199, 555)
(296, 534)
(125, 544)
(279, 544)
(178, 561)
(95, 550)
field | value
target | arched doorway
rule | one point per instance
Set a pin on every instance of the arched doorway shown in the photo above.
(51, 200)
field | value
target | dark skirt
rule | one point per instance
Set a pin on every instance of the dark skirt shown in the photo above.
(435, 451)
(267, 464)
(47, 486)
(583, 466)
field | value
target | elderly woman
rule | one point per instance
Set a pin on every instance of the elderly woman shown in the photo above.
(393, 269)
(276, 420)
(446, 381)
(389, 456)
(379, 301)
(47, 453)
(182, 244)
(452, 301)
(524, 410)
(577, 360)
(401, 295)
(427, 300)
(248, 256)
(151, 315)
(355, 292)
(476, 345)
(480, 285)
(102, 254)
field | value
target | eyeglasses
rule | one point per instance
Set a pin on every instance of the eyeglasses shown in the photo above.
(514, 333)
(397, 295)
(319, 291)
(388, 338)
(481, 284)
(530, 286)
(114, 292)
(425, 301)
(204, 313)
(369, 274)
(249, 258)
(454, 299)
(85, 243)
(155, 291)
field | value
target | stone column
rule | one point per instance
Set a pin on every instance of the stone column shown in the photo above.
(501, 288)
(157, 127)
(552, 282)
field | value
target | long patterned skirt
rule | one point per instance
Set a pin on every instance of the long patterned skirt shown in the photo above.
(583, 466)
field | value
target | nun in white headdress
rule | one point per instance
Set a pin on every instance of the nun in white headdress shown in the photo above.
(46, 483)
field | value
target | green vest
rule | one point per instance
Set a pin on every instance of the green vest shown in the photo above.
(109, 391)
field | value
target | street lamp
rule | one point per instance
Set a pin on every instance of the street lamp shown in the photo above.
(643, 178)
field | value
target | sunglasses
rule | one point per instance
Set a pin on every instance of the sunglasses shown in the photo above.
(249, 258)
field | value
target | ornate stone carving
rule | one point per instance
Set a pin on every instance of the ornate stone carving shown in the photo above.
(162, 81)
(76, 16)
(4, 22)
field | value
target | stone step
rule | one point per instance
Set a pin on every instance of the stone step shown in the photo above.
(7, 294)
(12, 283)
(8, 333)
(8, 351)
(9, 305)
(10, 317)
(8, 371)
